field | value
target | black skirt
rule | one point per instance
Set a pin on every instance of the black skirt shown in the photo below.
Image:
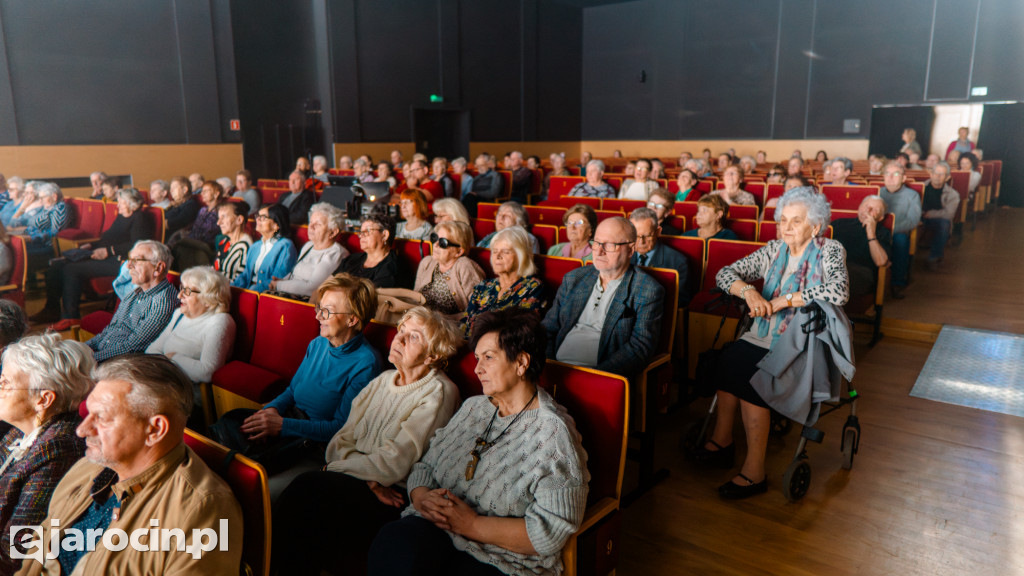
(736, 366)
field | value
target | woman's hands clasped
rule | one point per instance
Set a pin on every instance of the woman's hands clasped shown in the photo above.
(446, 510)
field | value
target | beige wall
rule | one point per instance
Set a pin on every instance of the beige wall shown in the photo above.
(144, 162)
(776, 149)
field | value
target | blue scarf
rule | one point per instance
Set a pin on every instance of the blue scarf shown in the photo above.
(808, 273)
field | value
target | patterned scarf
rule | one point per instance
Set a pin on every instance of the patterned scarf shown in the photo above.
(808, 273)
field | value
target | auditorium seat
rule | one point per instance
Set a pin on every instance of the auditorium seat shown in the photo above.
(85, 223)
(547, 236)
(14, 290)
(487, 210)
(744, 229)
(482, 228)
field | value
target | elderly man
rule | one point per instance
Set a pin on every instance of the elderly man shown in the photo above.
(876, 163)
(146, 311)
(939, 207)
(867, 244)
(344, 163)
(96, 179)
(320, 168)
(109, 188)
(298, 200)
(839, 171)
(197, 180)
(607, 316)
(585, 159)
(245, 191)
(510, 214)
(487, 185)
(905, 204)
(795, 166)
(521, 177)
(662, 202)
(648, 252)
(931, 162)
(139, 477)
(594, 186)
(396, 159)
(419, 177)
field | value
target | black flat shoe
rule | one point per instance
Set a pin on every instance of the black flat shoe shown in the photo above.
(733, 491)
(724, 457)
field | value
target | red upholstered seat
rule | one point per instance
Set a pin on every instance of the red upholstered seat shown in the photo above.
(159, 222)
(847, 197)
(244, 304)
(411, 252)
(85, 219)
(744, 229)
(693, 248)
(545, 214)
(603, 215)
(109, 215)
(743, 212)
(482, 228)
(482, 256)
(721, 253)
(380, 335)
(350, 240)
(685, 209)
(547, 236)
(487, 210)
(96, 322)
(15, 290)
(248, 481)
(300, 235)
(551, 270)
(624, 206)
(461, 370)
(559, 186)
(249, 381)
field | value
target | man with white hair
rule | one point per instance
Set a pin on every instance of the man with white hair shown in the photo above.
(144, 314)
(867, 244)
(139, 477)
(96, 179)
(939, 207)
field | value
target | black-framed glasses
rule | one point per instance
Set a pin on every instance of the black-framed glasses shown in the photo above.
(186, 291)
(644, 236)
(318, 312)
(262, 217)
(609, 247)
(442, 242)
(365, 233)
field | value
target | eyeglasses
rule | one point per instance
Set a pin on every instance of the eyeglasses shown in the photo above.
(137, 261)
(262, 217)
(609, 247)
(442, 242)
(186, 291)
(771, 174)
(644, 236)
(325, 313)
(5, 386)
(576, 224)
(365, 233)
(656, 206)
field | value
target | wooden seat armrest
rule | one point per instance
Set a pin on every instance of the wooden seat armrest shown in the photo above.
(596, 511)
(8, 287)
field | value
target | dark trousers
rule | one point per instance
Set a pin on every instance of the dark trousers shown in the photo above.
(900, 259)
(470, 201)
(64, 282)
(413, 545)
(939, 229)
(326, 521)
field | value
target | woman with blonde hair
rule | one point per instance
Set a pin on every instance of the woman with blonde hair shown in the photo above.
(514, 284)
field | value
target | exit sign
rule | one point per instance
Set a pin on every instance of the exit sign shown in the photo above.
(236, 125)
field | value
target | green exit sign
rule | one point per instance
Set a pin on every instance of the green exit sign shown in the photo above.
(436, 98)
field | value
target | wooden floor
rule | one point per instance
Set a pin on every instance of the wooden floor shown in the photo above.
(936, 489)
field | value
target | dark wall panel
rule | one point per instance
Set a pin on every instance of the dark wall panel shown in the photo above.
(997, 60)
(559, 77)
(952, 49)
(81, 75)
(796, 20)
(490, 53)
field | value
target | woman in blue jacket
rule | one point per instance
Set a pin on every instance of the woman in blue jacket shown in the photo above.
(273, 255)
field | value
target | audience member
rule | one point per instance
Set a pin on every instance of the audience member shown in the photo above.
(732, 193)
(509, 214)
(15, 191)
(389, 427)
(939, 210)
(298, 200)
(201, 332)
(905, 204)
(710, 219)
(43, 381)
(273, 255)
(867, 244)
(876, 163)
(439, 174)
(384, 174)
(795, 166)
(962, 144)
(13, 323)
(445, 278)
(657, 169)
(159, 194)
(616, 332)
(650, 253)
(821, 156)
(762, 157)
(344, 162)
(663, 202)
(839, 171)
(318, 257)
(931, 162)
(639, 187)
(594, 186)
(66, 277)
(448, 209)
(396, 159)
(557, 169)
(378, 261)
(49, 220)
(197, 247)
(522, 178)
(338, 364)
(320, 168)
(687, 181)
(414, 210)
(96, 180)
(748, 164)
(183, 209)
(233, 242)
(302, 166)
(515, 283)
(969, 162)
(799, 269)
(904, 159)
(6, 257)
(145, 312)
(196, 181)
(362, 171)
(138, 473)
(486, 187)
(724, 161)
(245, 190)
(527, 479)
(910, 142)
(27, 209)
(110, 186)
(776, 174)
(580, 222)
(459, 166)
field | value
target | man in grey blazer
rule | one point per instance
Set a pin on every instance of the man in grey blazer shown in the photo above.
(607, 316)
(650, 253)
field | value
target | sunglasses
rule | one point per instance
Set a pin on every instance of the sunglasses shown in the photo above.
(442, 242)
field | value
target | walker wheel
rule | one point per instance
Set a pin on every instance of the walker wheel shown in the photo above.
(796, 480)
(849, 447)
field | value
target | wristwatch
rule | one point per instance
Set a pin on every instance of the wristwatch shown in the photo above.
(789, 299)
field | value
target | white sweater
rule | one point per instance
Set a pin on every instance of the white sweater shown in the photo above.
(389, 426)
(200, 345)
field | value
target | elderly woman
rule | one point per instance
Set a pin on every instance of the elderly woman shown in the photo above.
(504, 484)
(245, 191)
(510, 214)
(459, 166)
(338, 365)
(557, 169)
(450, 209)
(159, 194)
(709, 222)
(196, 248)
(273, 255)
(439, 174)
(27, 209)
(968, 161)
(580, 222)
(514, 285)
(368, 460)
(732, 177)
(687, 181)
(377, 262)
(362, 171)
(51, 219)
(413, 207)
(43, 381)
(65, 278)
(201, 332)
(910, 142)
(232, 243)
(663, 203)
(776, 174)
(384, 174)
(183, 209)
(594, 186)
(802, 267)
(15, 191)
(444, 279)
(318, 257)
(640, 186)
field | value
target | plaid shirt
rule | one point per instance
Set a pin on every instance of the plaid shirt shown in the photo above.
(138, 321)
(27, 484)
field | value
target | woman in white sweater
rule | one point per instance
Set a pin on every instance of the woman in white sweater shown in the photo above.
(200, 334)
(318, 257)
(326, 520)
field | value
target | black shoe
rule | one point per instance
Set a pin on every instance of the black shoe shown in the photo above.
(45, 316)
(733, 491)
(897, 293)
(723, 457)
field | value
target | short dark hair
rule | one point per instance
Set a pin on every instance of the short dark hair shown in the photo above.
(239, 208)
(245, 174)
(13, 323)
(519, 332)
(970, 156)
(112, 181)
(387, 223)
(279, 215)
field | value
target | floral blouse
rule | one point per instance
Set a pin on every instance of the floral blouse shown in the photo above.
(527, 292)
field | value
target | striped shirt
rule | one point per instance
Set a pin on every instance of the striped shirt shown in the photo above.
(47, 223)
